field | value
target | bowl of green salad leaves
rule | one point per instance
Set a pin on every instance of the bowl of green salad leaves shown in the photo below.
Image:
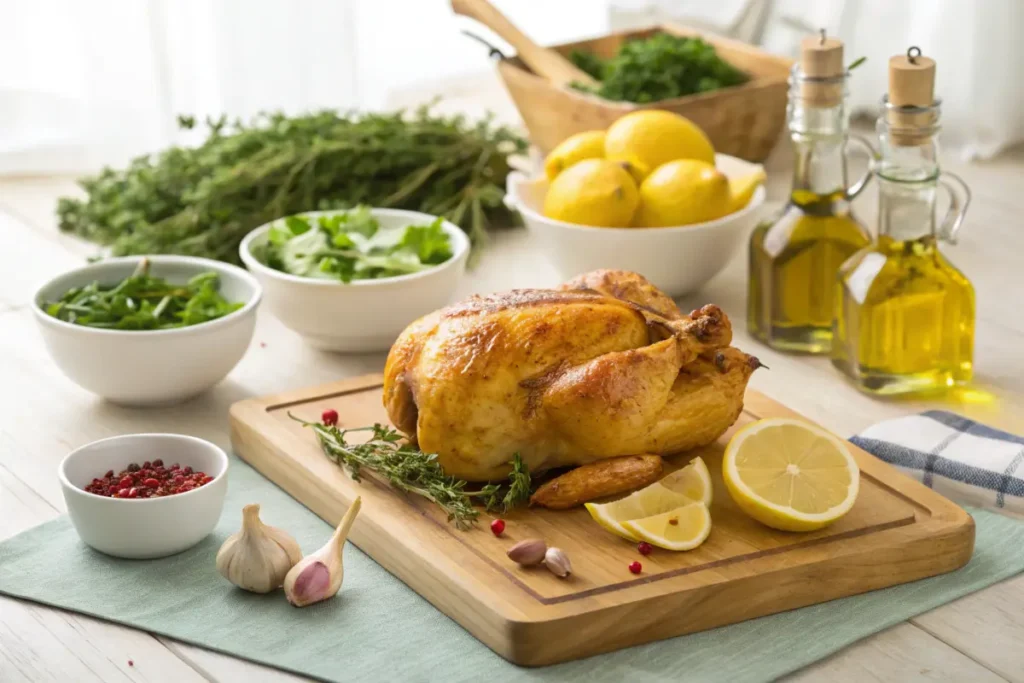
(352, 280)
(148, 330)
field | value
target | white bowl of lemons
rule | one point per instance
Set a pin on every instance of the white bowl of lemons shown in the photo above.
(648, 195)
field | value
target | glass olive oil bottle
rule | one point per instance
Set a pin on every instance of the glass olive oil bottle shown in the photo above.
(904, 315)
(795, 257)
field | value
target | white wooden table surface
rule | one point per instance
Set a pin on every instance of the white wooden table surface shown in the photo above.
(978, 638)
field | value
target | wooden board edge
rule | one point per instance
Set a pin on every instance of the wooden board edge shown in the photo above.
(542, 643)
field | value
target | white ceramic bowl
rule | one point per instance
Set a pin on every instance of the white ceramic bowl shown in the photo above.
(150, 367)
(363, 315)
(678, 260)
(143, 528)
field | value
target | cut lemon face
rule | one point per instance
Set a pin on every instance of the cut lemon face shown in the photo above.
(693, 481)
(687, 485)
(790, 475)
(684, 528)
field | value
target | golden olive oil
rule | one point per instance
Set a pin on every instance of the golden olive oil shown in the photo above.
(794, 258)
(904, 315)
(793, 266)
(906, 318)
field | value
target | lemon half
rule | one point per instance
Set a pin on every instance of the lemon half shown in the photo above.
(790, 475)
(685, 486)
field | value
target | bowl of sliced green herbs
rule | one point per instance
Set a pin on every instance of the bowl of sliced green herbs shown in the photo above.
(351, 280)
(149, 330)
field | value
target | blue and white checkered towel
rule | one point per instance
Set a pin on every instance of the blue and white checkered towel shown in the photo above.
(966, 461)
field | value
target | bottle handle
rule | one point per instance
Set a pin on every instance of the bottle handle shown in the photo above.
(859, 186)
(959, 200)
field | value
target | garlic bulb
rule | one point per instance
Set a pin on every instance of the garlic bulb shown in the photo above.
(318, 576)
(258, 557)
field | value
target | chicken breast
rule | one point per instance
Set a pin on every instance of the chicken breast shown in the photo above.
(606, 366)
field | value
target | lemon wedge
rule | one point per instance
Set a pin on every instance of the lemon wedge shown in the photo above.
(685, 486)
(684, 528)
(743, 188)
(790, 475)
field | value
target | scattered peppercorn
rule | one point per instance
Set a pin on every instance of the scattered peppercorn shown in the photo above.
(131, 663)
(636, 567)
(329, 417)
(498, 527)
(151, 480)
(644, 548)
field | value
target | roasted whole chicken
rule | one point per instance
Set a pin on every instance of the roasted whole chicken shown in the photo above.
(604, 366)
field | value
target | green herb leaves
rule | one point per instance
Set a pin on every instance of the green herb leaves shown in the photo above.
(857, 62)
(142, 302)
(351, 245)
(410, 470)
(658, 68)
(202, 201)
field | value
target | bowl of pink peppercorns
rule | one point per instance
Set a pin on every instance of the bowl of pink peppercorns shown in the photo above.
(144, 495)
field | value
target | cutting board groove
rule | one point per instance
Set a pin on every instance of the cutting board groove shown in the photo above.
(898, 531)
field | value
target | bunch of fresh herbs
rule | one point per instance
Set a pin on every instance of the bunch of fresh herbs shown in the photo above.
(410, 470)
(658, 68)
(201, 201)
(350, 245)
(143, 302)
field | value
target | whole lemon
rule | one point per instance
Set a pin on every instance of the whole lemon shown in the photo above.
(592, 192)
(683, 192)
(649, 138)
(588, 145)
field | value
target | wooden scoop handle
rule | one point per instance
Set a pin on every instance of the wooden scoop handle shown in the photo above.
(546, 62)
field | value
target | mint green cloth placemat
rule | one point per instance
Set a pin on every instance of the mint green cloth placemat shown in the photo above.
(378, 629)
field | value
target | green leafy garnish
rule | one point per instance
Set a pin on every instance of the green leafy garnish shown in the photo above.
(142, 302)
(201, 201)
(350, 246)
(410, 470)
(519, 484)
(857, 62)
(657, 68)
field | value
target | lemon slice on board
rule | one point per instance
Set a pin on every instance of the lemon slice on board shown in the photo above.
(790, 475)
(687, 485)
(684, 528)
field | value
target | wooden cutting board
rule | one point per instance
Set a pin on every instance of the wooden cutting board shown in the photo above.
(898, 531)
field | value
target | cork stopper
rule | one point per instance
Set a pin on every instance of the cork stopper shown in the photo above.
(821, 57)
(911, 90)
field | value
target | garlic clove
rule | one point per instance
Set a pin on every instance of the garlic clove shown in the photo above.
(258, 557)
(318, 576)
(528, 552)
(557, 561)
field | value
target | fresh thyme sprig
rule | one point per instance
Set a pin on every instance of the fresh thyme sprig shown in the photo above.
(411, 470)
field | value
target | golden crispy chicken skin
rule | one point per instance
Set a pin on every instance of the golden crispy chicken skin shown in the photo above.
(607, 366)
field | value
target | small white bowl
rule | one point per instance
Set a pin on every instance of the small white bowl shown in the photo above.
(150, 367)
(144, 528)
(678, 260)
(363, 315)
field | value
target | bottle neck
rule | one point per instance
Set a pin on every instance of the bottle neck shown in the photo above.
(818, 127)
(819, 166)
(907, 174)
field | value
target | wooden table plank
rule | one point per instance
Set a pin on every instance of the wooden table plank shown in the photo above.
(986, 626)
(902, 653)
